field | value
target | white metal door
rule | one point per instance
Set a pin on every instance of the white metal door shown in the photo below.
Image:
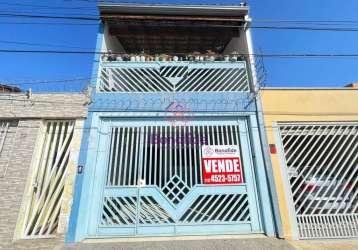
(322, 167)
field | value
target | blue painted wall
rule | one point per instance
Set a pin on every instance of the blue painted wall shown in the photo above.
(156, 104)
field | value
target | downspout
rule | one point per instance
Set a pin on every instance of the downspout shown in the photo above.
(262, 131)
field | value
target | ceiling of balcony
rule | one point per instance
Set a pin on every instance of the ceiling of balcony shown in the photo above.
(174, 36)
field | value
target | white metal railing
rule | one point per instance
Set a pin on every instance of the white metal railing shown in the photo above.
(322, 166)
(173, 77)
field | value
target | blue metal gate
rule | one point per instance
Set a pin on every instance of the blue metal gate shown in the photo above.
(149, 180)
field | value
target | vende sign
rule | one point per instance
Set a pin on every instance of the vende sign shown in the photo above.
(221, 164)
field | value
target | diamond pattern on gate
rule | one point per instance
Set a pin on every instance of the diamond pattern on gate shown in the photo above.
(175, 189)
(174, 74)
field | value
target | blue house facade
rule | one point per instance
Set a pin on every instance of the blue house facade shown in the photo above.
(173, 143)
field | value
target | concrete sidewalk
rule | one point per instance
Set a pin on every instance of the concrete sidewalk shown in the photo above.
(182, 243)
(260, 243)
(200, 244)
(325, 244)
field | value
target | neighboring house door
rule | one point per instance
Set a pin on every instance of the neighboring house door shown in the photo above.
(320, 162)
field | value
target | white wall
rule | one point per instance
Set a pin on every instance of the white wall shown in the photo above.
(238, 44)
(111, 42)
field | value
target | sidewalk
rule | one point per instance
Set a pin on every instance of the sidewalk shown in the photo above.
(192, 243)
(200, 244)
(261, 243)
(325, 244)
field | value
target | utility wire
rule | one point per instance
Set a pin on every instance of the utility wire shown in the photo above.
(57, 81)
(302, 28)
(95, 18)
(41, 44)
(258, 20)
(48, 23)
(299, 28)
(95, 77)
(31, 13)
(124, 109)
(278, 55)
(337, 29)
(49, 17)
(144, 108)
(49, 7)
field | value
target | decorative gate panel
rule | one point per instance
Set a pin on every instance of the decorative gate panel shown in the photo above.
(42, 213)
(219, 208)
(322, 167)
(153, 181)
(174, 77)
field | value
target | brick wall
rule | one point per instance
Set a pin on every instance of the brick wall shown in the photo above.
(43, 105)
(27, 116)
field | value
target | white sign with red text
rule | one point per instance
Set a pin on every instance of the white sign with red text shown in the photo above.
(221, 164)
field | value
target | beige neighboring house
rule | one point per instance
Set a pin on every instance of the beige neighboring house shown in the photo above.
(40, 137)
(313, 138)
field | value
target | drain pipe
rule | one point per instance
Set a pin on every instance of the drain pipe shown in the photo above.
(261, 129)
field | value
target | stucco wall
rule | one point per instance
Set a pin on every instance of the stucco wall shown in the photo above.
(18, 155)
(303, 105)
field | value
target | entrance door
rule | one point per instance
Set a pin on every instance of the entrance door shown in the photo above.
(150, 180)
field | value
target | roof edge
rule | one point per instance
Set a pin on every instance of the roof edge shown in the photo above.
(173, 9)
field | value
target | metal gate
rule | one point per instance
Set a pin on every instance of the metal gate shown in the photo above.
(322, 168)
(151, 180)
(48, 182)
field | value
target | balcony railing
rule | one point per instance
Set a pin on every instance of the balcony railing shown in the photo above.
(180, 76)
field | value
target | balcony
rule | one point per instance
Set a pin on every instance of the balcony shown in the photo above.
(173, 76)
(165, 61)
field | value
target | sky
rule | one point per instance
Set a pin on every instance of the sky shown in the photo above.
(72, 72)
